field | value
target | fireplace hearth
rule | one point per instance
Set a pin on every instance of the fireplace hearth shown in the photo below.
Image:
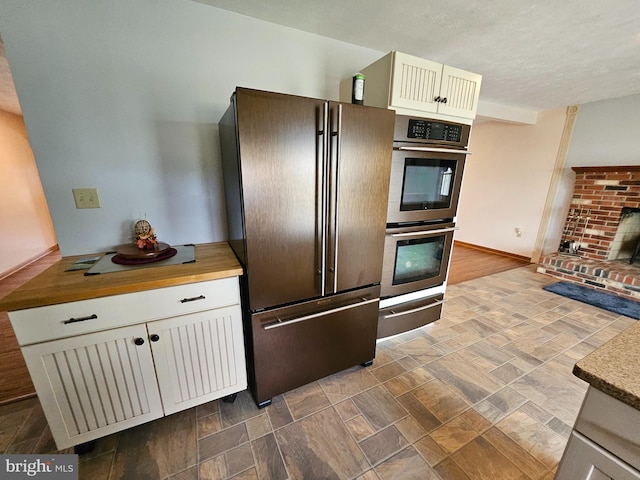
(601, 232)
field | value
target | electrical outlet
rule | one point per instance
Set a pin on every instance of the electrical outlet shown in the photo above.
(86, 197)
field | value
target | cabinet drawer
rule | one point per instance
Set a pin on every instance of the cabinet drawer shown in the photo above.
(407, 316)
(75, 318)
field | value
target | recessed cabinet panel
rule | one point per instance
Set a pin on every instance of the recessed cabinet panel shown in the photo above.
(415, 83)
(201, 357)
(95, 384)
(462, 91)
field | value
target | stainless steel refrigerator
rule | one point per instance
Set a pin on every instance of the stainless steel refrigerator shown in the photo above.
(306, 184)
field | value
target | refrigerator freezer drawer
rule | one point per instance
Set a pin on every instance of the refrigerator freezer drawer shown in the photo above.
(296, 345)
(407, 316)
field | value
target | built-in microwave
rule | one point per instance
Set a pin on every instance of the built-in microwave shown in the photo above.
(426, 170)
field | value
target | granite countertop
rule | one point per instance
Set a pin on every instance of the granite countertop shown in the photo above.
(57, 285)
(614, 368)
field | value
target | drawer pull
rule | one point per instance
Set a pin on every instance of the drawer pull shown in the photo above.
(280, 323)
(81, 319)
(393, 313)
(192, 299)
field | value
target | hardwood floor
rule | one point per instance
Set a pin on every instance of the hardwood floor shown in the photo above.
(469, 262)
(15, 382)
(484, 393)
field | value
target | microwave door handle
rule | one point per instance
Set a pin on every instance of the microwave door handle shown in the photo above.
(414, 310)
(433, 149)
(425, 232)
(283, 323)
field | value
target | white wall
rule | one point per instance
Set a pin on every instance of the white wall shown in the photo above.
(25, 226)
(125, 97)
(506, 181)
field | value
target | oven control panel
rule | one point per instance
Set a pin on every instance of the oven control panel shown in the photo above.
(424, 130)
(427, 130)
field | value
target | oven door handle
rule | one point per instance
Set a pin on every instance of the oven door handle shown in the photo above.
(425, 232)
(414, 310)
(434, 149)
(283, 323)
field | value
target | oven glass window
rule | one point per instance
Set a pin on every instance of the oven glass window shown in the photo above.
(427, 184)
(418, 259)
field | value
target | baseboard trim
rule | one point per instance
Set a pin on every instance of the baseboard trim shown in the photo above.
(28, 262)
(17, 399)
(491, 250)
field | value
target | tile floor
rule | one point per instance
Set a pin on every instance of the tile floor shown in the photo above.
(484, 393)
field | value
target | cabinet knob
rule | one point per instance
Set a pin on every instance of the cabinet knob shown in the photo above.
(139, 341)
(154, 337)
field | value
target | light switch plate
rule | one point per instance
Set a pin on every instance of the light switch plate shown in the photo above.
(86, 197)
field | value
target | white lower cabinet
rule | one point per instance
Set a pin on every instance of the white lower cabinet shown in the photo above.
(585, 460)
(604, 443)
(98, 383)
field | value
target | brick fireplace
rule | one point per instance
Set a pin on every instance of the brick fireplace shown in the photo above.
(601, 232)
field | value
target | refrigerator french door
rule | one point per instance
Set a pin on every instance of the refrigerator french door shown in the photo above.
(306, 182)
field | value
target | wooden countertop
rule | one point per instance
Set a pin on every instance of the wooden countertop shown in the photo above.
(614, 368)
(54, 285)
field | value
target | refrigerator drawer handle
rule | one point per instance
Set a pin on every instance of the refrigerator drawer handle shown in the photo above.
(432, 149)
(279, 323)
(424, 232)
(414, 310)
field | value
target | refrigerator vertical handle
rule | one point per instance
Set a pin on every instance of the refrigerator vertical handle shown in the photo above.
(324, 135)
(336, 198)
(335, 164)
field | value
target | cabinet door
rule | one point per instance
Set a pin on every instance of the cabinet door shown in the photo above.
(95, 384)
(584, 460)
(415, 83)
(199, 357)
(461, 90)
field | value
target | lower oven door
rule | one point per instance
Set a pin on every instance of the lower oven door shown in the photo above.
(406, 316)
(415, 258)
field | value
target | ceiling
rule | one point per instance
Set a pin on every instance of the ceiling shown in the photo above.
(533, 54)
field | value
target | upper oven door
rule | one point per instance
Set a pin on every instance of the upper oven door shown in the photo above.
(425, 183)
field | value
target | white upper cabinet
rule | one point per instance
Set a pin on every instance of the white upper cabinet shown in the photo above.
(415, 86)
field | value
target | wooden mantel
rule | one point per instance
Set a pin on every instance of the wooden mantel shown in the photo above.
(612, 168)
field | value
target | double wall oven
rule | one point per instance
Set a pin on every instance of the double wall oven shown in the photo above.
(426, 176)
